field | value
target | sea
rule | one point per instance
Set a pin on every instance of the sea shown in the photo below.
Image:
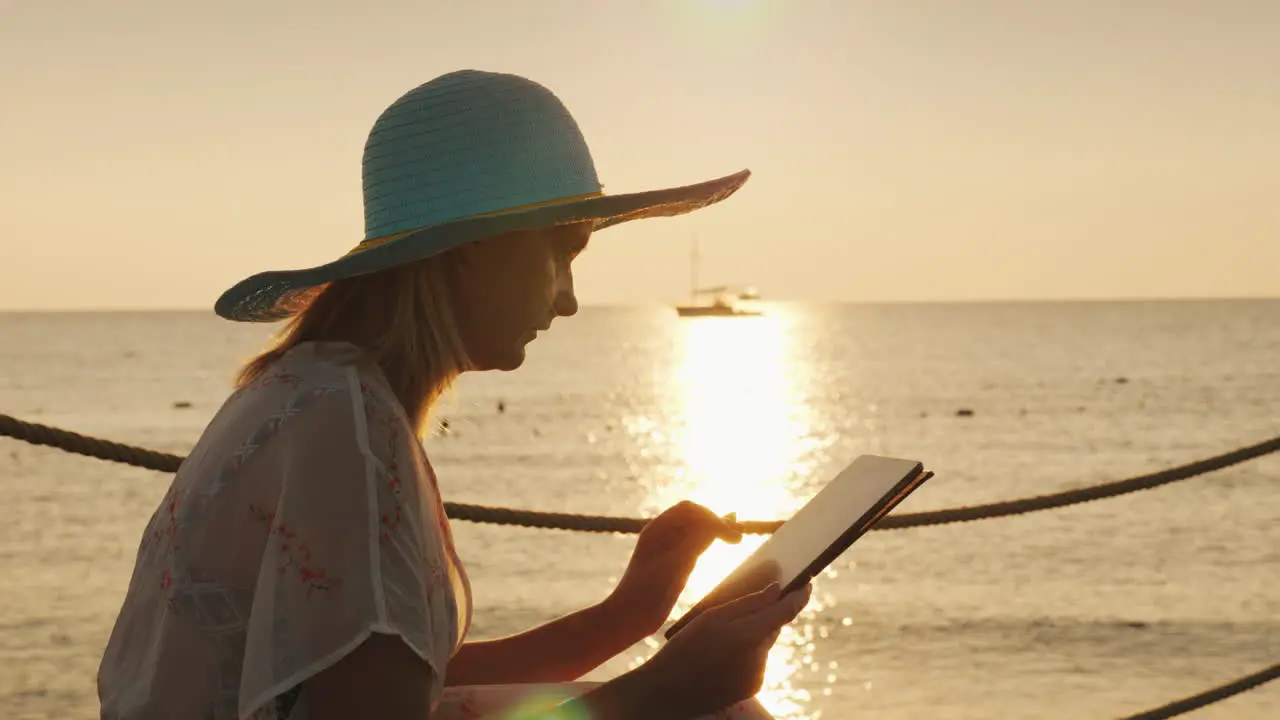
(1099, 610)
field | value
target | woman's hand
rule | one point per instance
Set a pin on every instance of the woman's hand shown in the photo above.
(665, 555)
(718, 660)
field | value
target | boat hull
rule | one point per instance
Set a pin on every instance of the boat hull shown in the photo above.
(713, 311)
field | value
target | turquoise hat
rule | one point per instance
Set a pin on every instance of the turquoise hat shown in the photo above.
(463, 157)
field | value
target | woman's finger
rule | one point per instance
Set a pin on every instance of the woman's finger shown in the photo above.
(730, 532)
(700, 527)
(745, 606)
(771, 617)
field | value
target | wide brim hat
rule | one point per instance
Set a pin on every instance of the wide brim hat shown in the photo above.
(463, 157)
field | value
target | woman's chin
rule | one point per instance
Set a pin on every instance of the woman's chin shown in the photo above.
(507, 361)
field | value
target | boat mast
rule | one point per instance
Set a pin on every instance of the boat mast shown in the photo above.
(693, 270)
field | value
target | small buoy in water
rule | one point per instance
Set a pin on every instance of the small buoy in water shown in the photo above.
(502, 406)
(1122, 380)
(964, 412)
(181, 404)
(1023, 411)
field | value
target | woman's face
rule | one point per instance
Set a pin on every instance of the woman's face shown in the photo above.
(509, 288)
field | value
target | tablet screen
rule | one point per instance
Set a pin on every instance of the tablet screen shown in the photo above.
(842, 511)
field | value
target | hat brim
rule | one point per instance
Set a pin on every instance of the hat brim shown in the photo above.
(280, 294)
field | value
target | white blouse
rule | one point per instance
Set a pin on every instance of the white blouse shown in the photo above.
(306, 517)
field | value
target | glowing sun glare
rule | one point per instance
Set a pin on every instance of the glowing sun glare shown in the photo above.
(741, 437)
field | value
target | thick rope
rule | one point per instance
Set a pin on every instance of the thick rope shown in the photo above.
(164, 462)
(1208, 697)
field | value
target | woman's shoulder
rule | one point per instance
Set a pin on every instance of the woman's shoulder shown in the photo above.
(313, 369)
(310, 364)
(321, 400)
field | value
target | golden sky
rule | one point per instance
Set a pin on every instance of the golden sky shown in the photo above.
(154, 152)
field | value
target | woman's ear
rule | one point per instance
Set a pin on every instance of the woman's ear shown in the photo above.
(463, 255)
(478, 252)
(469, 260)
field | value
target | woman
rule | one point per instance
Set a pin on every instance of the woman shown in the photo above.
(301, 565)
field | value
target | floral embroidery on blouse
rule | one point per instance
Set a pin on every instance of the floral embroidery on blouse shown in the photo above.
(174, 510)
(294, 553)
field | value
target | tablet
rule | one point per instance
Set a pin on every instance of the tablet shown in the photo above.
(844, 510)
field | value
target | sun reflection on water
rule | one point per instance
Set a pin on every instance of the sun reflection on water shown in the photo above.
(742, 440)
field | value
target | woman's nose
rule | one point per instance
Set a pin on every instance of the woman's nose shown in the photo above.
(565, 302)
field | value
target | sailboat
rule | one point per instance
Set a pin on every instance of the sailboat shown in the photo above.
(724, 298)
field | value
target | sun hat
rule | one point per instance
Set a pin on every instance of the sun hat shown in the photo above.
(466, 156)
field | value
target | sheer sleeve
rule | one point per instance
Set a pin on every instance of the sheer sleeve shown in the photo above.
(355, 546)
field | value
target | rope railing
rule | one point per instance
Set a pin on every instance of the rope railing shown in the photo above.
(1208, 697)
(38, 434)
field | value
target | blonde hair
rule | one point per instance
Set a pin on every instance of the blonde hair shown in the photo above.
(403, 318)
